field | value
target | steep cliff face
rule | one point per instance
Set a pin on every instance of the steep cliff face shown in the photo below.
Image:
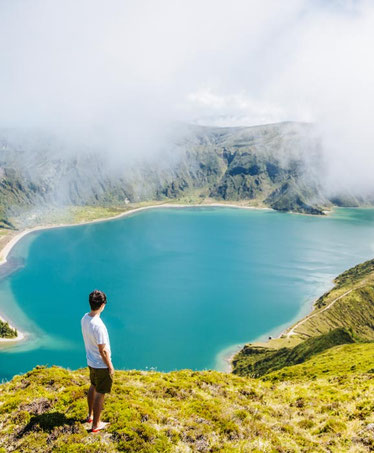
(276, 165)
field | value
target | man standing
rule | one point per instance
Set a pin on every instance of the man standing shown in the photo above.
(96, 341)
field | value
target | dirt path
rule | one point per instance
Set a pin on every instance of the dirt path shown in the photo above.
(292, 331)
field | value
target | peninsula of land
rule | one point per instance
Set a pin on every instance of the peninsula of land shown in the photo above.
(344, 314)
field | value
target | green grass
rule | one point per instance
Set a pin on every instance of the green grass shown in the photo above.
(350, 302)
(342, 315)
(342, 360)
(256, 362)
(355, 274)
(208, 411)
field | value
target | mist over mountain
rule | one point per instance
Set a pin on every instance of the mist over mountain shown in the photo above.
(101, 86)
(277, 165)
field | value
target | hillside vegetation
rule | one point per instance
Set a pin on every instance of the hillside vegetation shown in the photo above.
(6, 331)
(308, 408)
(257, 361)
(349, 304)
(341, 316)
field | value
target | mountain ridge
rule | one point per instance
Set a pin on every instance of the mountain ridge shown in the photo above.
(277, 165)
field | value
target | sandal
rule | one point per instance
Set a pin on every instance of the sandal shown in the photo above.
(101, 426)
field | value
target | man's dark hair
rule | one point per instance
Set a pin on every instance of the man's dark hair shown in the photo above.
(97, 299)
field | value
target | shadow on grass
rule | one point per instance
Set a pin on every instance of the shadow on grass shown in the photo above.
(48, 422)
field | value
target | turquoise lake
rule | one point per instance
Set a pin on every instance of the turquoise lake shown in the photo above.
(184, 285)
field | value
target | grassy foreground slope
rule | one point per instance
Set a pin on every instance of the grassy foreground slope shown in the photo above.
(187, 411)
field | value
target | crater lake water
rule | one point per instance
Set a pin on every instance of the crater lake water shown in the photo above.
(183, 285)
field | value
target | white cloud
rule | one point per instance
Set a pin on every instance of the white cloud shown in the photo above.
(113, 74)
(238, 110)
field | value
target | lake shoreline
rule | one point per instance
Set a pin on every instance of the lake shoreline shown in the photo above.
(225, 355)
(7, 248)
(283, 332)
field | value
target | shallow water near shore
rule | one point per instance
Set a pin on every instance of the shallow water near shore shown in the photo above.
(183, 285)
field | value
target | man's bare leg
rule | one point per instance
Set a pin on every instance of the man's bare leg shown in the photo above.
(97, 408)
(90, 399)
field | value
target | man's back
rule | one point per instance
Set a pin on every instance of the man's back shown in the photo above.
(94, 333)
(96, 342)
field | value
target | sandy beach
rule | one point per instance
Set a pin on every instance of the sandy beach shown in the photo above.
(5, 251)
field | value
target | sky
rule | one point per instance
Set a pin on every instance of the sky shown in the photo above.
(117, 74)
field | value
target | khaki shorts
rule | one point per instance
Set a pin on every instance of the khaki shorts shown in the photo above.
(101, 379)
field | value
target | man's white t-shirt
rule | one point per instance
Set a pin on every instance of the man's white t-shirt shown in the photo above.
(94, 333)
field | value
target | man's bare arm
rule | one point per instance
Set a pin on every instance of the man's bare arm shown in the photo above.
(106, 357)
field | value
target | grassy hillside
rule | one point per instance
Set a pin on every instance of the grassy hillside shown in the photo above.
(257, 361)
(335, 362)
(342, 315)
(349, 304)
(187, 411)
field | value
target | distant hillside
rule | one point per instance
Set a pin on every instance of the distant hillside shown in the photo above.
(310, 408)
(276, 165)
(257, 361)
(350, 304)
(343, 315)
